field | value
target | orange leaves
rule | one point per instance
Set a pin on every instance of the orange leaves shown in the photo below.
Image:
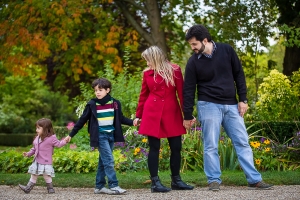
(40, 46)
(117, 65)
(111, 50)
(97, 44)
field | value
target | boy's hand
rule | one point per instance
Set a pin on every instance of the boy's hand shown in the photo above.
(136, 122)
(25, 154)
(68, 139)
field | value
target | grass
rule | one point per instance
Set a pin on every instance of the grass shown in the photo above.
(134, 180)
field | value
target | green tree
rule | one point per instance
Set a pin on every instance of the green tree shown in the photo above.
(289, 19)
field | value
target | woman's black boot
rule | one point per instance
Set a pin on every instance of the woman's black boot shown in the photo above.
(156, 185)
(178, 184)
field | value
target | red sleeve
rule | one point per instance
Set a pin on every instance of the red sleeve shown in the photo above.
(143, 97)
(178, 78)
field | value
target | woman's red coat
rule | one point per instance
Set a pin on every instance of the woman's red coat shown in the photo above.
(158, 106)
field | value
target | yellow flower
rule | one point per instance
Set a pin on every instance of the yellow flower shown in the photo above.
(267, 149)
(144, 140)
(267, 141)
(137, 150)
(135, 153)
(257, 161)
(255, 144)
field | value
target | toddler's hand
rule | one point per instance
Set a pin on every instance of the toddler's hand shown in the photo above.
(68, 139)
(25, 154)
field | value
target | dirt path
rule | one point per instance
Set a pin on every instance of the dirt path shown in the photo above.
(287, 192)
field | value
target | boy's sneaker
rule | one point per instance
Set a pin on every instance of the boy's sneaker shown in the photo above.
(104, 190)
(214, 186)
(260, 186)
(118, 190)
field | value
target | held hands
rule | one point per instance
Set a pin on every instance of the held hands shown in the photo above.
(136, 122)
(189, 123)
(67, 139)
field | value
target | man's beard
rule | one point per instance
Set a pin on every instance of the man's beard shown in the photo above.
(201, 49)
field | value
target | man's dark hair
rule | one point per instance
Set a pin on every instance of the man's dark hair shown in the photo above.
(198, 31)
(101, 83)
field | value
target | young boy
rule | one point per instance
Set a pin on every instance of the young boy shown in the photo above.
(105, 118)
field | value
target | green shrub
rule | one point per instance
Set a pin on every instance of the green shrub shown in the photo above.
(277, 100)
(278, 131)
(27, 99)
(15, 140)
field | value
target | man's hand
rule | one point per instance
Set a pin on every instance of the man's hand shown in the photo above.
(242, 107)
(188, 123)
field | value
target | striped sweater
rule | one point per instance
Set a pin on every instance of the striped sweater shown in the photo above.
(105, 116)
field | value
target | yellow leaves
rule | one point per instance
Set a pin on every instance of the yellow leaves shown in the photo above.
(87, 68)
(111, 50)
(64, 45)
(97, 44)
(117, 65)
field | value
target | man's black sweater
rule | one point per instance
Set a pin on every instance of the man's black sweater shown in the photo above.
(218, 79)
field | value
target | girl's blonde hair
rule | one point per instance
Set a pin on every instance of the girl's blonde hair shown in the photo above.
(46, 124)
(160, 64)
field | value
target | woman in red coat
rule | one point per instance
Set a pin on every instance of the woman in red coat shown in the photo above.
(161, 115)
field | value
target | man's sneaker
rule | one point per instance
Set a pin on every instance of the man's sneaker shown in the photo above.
(260, 186)
(104, 190)
(118, 190)
(214, 186)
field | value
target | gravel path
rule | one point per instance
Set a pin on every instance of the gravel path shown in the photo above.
(287, 192)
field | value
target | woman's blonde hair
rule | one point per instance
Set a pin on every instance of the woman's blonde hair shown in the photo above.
(160, 64)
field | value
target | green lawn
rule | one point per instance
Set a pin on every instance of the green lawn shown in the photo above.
(133, 180)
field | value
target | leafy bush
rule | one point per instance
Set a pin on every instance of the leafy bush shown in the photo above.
(125, 87)
(277, 100)
(25, 100)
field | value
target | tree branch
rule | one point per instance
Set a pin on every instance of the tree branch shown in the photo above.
(133, 22)
(132, 2)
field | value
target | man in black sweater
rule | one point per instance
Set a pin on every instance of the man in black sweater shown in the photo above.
(216, 72)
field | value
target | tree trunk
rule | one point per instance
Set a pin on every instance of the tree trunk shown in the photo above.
(291, 60)
(155, 35)
(157, 32)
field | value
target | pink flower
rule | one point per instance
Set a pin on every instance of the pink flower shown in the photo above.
(73, 146)
(70, 125)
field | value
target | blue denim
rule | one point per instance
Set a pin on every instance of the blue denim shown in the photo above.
(212, 116)
(106, 161)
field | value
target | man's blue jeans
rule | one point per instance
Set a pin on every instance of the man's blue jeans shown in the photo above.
(106, 161)
(212, 116)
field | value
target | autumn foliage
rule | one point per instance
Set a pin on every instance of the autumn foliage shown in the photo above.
(67, 40)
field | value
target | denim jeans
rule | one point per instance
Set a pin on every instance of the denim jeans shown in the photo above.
(106, 161)
(212, 116)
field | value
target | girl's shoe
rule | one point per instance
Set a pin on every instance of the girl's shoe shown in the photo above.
(50, 188)
(28, 187)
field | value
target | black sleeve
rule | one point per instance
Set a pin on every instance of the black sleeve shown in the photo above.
(239, 76)
(189, 89)
(82, 120)
(124, 120)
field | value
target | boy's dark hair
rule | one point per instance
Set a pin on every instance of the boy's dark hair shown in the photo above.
(198, 31)
(102, 83)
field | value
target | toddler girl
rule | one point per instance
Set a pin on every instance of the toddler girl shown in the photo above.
(43, 146)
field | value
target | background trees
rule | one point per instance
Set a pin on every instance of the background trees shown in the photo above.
(64, 43)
